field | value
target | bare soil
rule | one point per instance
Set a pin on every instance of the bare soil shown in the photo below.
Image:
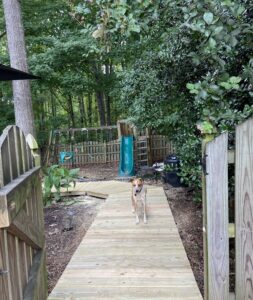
(188, 218)
(67, 222)
(65, 225)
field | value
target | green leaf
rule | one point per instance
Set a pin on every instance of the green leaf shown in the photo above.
(212, 43)
(235, 79)
(190, 86)
(208, 18)
(226, 85)
(218, 29)
(74, 172)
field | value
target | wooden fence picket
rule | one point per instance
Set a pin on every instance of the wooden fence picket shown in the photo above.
(93, 152)
(21, 220)
(244, 210)
(216, 210)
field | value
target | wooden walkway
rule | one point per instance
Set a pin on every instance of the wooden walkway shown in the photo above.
(120, 260)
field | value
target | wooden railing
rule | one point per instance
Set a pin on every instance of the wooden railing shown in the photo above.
(217, 229)
(22, 242)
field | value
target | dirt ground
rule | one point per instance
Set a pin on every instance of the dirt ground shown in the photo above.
(66, 223)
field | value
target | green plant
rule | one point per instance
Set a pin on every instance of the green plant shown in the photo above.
(57, 177)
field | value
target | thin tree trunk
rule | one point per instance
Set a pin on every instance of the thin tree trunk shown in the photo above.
(99, 93)
(108, 110)
(71, 111)
(101, 107)
(53, 104)
(90, 109)
(107, 98)
(82, 110)
(16, 44)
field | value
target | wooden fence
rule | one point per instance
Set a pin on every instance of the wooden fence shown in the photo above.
(216, 216)
(147, 150)
(22, 254)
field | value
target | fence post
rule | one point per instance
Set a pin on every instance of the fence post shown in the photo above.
(32, 143)
(206, 138)
(244, 210)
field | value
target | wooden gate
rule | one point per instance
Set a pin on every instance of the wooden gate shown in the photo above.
(22, 252)
(216, 224)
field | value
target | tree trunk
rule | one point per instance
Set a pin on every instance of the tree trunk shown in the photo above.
(101, 107)
(107, 98)
(108, 110)
(71, 111)
(98, 74)
(82, 110)
(53, 104)
(16, 44)
(90, 109)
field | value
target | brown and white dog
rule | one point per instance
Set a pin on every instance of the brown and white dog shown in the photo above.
(139, 192)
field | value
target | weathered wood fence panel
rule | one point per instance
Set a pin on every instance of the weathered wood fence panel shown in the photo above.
(244, 210)
(217, 218)
(161, 147)
(93, 152)
(22, 253)
(215, 205)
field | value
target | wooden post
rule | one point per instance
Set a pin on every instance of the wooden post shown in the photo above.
(216, 229)
(32, 143)
(206, 138)
(244, 210)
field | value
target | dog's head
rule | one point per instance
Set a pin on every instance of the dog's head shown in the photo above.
(137, 184)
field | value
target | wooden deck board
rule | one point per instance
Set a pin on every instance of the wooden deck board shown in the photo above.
(120, 260)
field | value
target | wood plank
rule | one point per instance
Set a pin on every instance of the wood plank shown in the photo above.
(13, 153)
(37, 279)
(25, 229)
(119, 260)
(14, 195)
(4, 285)
(19, 266)
(5, 166)
(13, 268)
(217, 218)
(244, 210)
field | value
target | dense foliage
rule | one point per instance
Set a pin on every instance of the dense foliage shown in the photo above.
(168, 65)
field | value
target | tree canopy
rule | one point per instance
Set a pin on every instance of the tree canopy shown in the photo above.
(167, 65)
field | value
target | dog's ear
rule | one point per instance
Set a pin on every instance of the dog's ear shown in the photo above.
(141, 180)
(131, 179)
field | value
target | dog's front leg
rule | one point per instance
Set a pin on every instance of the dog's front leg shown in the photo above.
(136, 211)
(144, 209)
(133, 204)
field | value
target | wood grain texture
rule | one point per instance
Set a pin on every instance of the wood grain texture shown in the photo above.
(14, 195)
(217, 218)
(4, 279)
(120, 260)
(36, 286)
(244, 210)
(26, 230)
(155, 146)
(21, 219)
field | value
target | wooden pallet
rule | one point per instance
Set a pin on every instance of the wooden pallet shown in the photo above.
(120, 260)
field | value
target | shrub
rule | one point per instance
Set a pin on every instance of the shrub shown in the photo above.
(58, 177)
